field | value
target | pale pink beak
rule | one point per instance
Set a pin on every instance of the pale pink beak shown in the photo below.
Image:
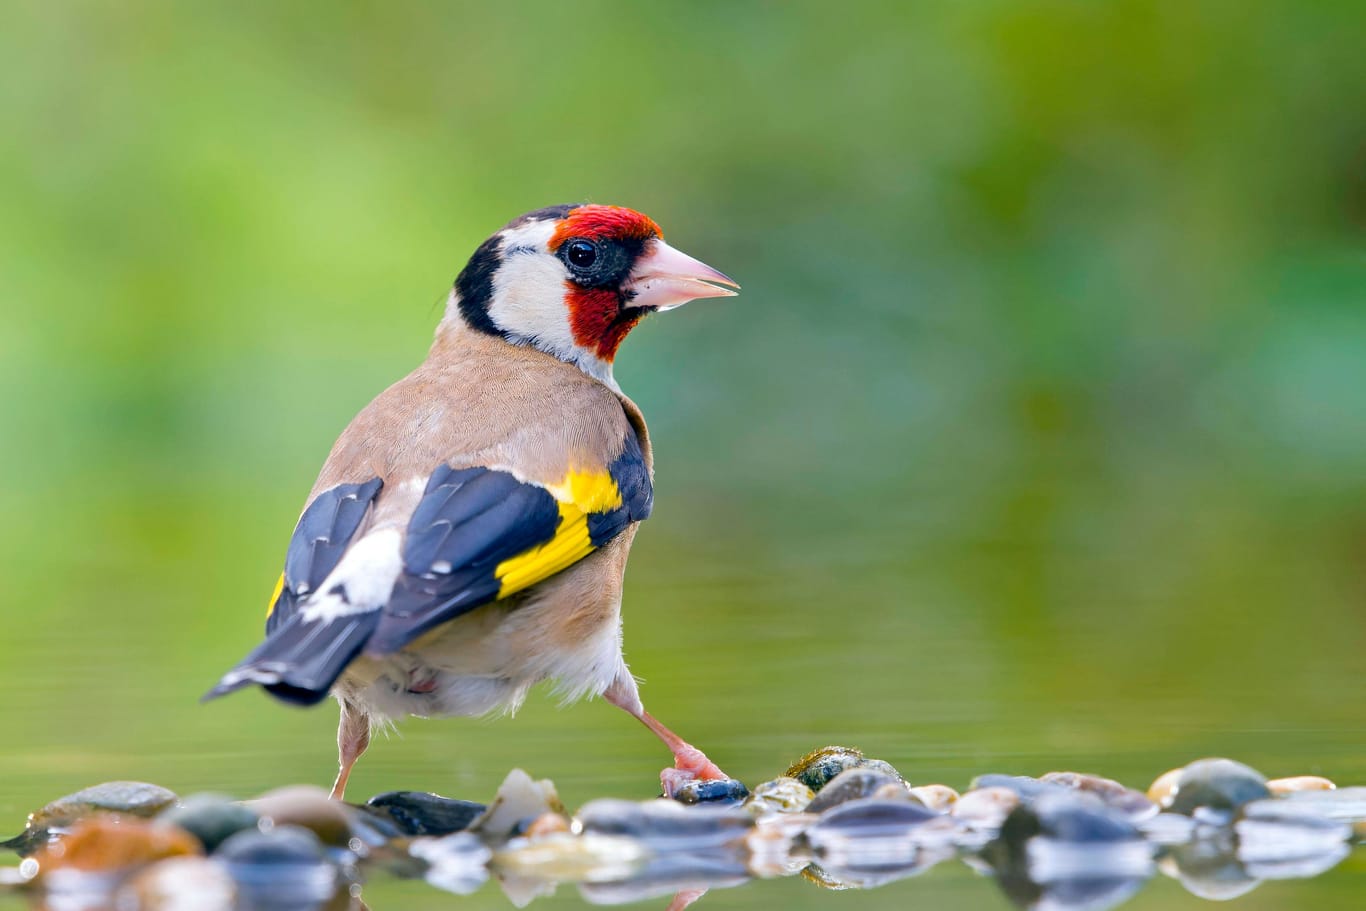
(666, 278)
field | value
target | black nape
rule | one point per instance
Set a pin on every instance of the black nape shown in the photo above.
(475, 285)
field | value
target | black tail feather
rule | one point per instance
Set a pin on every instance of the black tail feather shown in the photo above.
(300, 660)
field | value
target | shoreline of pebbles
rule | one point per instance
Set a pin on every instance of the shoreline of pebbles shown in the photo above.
(836, 818)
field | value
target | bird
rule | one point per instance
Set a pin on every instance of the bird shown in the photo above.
(467, 536)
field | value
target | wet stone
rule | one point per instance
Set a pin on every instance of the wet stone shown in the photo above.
(1283, 786)
(518, 802)
(123, 798)
(211, 818)
(307, 807)
(985, 808)
(665, 824)
(1160, 791)
(419, 813)
(938, 797)
(723, 791)
(103, 844)
(780, 795)
(1219, 785)
(281, 867)
(819, 767)
(1027, 788)
(1133, 804)
(855, 783)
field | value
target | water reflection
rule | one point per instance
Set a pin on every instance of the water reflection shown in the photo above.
(1063, 841)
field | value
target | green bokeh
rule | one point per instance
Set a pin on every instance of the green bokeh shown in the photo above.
(1036, 440)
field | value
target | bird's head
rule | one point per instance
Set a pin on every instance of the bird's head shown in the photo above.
(574, 280)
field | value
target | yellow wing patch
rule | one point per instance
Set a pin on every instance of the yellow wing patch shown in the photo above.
(578, 495)
(275, 595)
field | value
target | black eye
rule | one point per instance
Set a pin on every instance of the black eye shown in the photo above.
(581, 254)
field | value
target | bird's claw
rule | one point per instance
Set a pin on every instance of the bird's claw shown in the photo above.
(690, 764)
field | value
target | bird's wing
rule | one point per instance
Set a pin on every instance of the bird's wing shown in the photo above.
(321, 537)
(481, 534)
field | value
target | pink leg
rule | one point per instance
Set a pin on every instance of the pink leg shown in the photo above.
(685, 898)
(353, 736)
(690, 763)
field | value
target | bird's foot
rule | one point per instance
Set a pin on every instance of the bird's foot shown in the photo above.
(690, 764)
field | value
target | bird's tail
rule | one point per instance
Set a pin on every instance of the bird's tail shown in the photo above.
(301, 659)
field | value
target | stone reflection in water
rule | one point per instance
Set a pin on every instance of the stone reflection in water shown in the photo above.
(840, 820)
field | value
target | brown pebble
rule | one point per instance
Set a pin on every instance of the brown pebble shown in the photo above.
(1160, 791)
(1282, 786)
(986, 806)
(308, 807)
(938, 797)
(106, 843)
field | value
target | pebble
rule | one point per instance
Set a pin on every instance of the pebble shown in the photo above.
(1283, 786)
(103, 844)
(421, 813)
(307, 807)
(855, 783)
(1160, 791)
(282, 867)
(211, 818)
(1133, 804)
(1219, 785)
(819, 767)
(722, 791)
(780, 795)
(985, 808)
(938, 797)
(123, 798)
(519, 801)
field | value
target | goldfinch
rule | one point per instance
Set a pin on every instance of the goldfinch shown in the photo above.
(468, 534)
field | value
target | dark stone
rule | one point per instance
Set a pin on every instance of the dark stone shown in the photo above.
(1221, 785)
(281, 868)
(419, 813)
(723, 791)
(819, 767)
(852, 784)
(212, 818)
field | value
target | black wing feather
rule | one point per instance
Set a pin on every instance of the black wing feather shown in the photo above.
(469, 521)
(321, 537)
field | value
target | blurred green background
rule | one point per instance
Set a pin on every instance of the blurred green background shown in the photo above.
(1036, 440)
